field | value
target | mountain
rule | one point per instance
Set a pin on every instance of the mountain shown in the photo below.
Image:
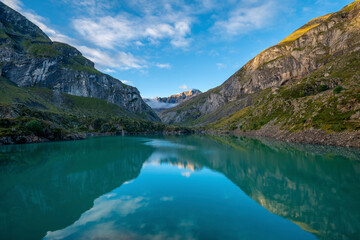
(161, 103)
(49, 91)
(30, 59)
(309, 82)
(180, 97)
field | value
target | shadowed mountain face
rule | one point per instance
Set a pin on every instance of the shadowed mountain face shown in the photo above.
(52, 187)
(30, 59)
(303, 82)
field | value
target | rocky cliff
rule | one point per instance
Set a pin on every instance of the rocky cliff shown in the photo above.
(30, 59)
(309, 80)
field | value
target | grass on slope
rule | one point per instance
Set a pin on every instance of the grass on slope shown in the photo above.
(10, 94)
(62, 51)
(47, 100)
(330, 103)
(44, 113)
(79, 105)
(307, 27)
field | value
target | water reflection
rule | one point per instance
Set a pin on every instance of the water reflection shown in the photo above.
(54, 183)
(179, 188)
(315, 187)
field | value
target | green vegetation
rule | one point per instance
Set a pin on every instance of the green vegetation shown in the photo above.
(306, 103)
(271, 61)
(338, 89)
(303, 30)
(3, 35)
(43, 50)
(82, 68)
(44, 113)
(67, 56)
(322, 88)
(35, 127)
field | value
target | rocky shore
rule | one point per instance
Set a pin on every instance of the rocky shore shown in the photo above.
(23, 139)
(310, 136)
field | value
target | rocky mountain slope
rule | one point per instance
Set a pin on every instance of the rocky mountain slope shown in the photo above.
(39, 114)
(161, 103)
(30, 59)
(310, 80)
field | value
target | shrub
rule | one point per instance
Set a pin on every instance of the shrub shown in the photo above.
(338, 127)
(338, 89)
(322, 88)
(35, 127)
(233, 127)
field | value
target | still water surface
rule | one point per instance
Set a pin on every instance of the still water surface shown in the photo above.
(192, 187)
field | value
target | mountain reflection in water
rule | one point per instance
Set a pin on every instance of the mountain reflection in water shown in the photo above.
(192, 187)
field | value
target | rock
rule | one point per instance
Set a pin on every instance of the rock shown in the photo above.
(180, 97)
(30, 59)
(297, 56)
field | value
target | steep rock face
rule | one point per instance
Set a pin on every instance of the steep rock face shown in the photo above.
(306, 50)
(29, 58)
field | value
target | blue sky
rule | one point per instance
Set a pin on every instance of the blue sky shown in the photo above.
(167, 46)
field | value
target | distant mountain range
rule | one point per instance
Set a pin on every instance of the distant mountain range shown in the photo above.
(306, 88)
(162, 103)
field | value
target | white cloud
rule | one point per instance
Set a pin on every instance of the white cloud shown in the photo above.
(163, 65)
(145, 23)
(104, 208)
(116, 59)
(127, 82)
(155, 104)
(184, 87)
(53, 34)
(14, 4)
(220, 66)
(39, 21)
(167, 199)
(245, 19)
(92, 7)
(124, 29)
(119, 60)
(108, 70)
(186, 174)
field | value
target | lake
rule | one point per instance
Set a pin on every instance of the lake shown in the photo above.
(187, 187)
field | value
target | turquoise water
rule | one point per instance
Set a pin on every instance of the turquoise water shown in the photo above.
(191, 187)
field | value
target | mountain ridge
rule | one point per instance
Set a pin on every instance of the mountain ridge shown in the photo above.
(180, 97)
(49, 91)
(275, 86)
(29, 58)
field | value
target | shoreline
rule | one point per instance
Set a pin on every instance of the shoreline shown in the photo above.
(29, 139)
(310, 136)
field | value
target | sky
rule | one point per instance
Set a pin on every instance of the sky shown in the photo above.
(164, 47)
